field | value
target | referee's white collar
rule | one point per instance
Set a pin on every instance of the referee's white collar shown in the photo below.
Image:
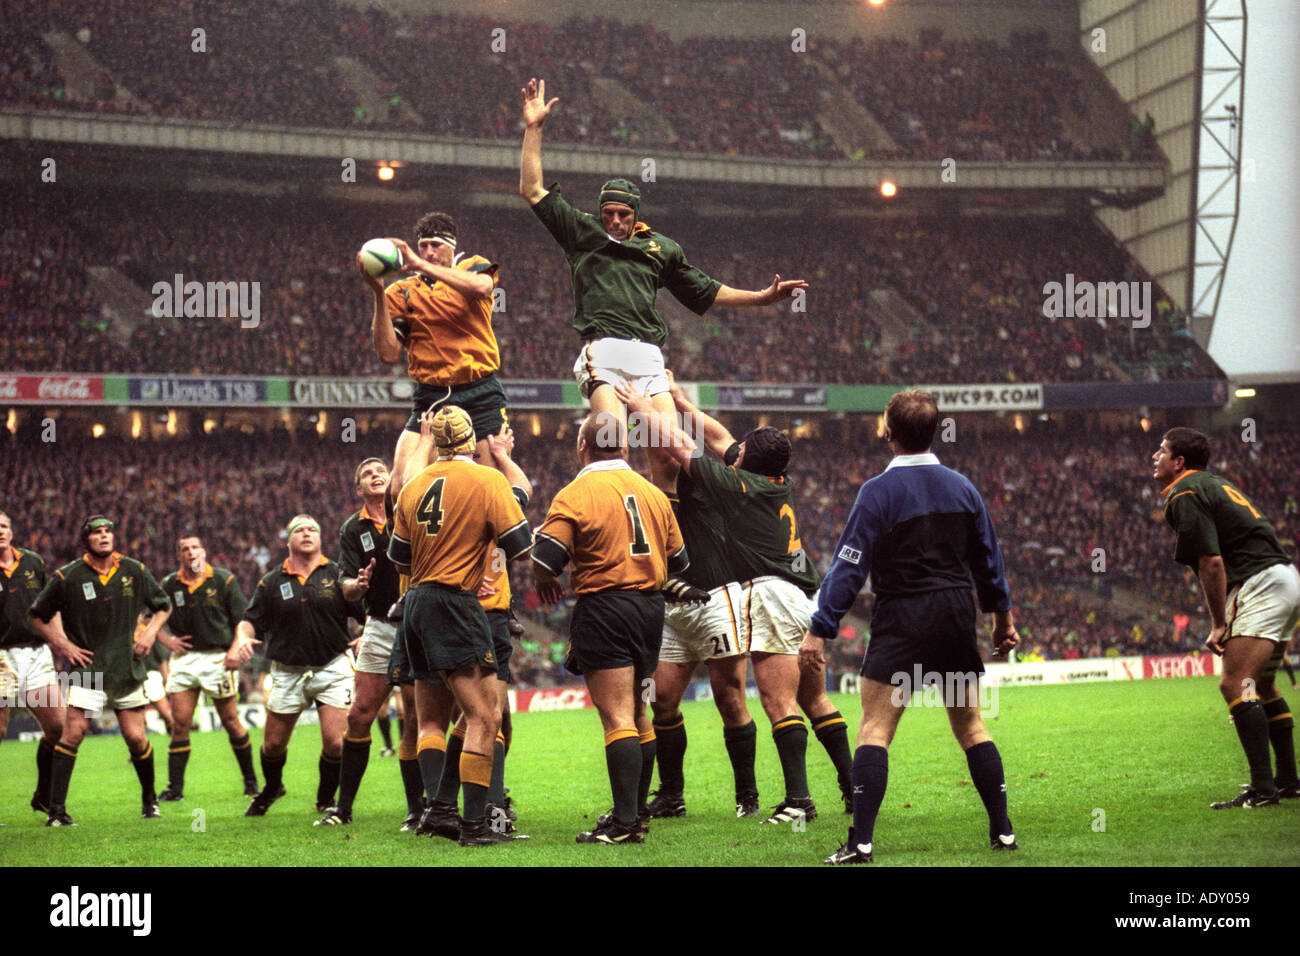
(609, 464)
(906, 461)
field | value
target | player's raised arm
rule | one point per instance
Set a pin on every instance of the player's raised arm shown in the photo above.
(712, 432)
(535, 110)
(728, 297)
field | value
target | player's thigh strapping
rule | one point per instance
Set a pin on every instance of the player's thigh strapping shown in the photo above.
(617, 361)
(708, 631)
(295, 688)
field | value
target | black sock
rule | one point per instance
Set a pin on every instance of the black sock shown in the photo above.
(648, 751)
(1280, 727)
(475, 775)
(790, 734)
(671, 738)
(412, 784)
(44, 760)
(497, 788)
(385, 730)
(741, 745)
(273, 772)
(449, 787)
(243, 748)
(623, 761)
(143, 764)
(833, 733)
(356, 754)
(985, 765)
(1252, 730)
(61, 764)
(329, 768)
(401, 726)
(432, 756)
(870, 777)
(178, 755)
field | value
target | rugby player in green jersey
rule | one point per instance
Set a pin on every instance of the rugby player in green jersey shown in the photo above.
(737, 515)
(101, 600)
(26, 657)
(1252, 591)
(617, 264)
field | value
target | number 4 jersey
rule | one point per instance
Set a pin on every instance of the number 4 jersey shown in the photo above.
(1210, 516)
(739, 526)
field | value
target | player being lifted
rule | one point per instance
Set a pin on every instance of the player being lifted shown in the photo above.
(620, 534)
(446, 521)
(442, 314)
(207, 603)
(617, 264)
(739, 524)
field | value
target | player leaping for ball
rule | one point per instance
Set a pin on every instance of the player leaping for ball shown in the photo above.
(617, 264)
(442, 315)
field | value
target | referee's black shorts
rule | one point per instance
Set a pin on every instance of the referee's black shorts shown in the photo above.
(934, 630)
(484, 401)
(612, 629)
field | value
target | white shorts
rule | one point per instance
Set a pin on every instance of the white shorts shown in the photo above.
(376, 646)
(705, 632)
(33, 668)
(205, 670)
(94, 701)
(294, 688)
(618, 361)
(779, 615)
(1266, 604)
(154, 688)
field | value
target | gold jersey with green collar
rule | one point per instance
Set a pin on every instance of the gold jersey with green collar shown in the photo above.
(1210, 516)
(615, 282)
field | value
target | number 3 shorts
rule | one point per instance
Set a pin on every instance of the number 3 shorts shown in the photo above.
(294, 688)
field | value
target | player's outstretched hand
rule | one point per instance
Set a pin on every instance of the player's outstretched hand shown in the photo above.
(502, 444)
(241, 653)
(363, 575)
(411, 261)
(536, 108)
(374, 284)
(782, 290)
(177, 644)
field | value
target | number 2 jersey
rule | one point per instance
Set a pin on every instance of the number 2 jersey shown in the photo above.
(1210, 516)
(739, 526)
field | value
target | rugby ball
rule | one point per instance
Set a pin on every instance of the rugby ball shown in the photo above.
(381, 257)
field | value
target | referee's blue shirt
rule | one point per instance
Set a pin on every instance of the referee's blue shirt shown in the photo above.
(916, 527)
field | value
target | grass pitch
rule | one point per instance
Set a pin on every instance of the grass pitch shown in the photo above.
(1114, 774)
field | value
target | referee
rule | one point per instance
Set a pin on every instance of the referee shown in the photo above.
(921, 531)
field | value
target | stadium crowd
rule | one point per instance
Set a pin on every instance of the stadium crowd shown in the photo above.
(276, 63)
(973, 291)
(1055, 500)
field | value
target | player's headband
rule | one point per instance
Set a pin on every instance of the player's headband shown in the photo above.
(621, 190)
(304, 522)
(443, 237)
(94, 522)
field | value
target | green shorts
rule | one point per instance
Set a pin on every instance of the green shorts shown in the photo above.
(612, 629)
(484, 400)
(446, 629)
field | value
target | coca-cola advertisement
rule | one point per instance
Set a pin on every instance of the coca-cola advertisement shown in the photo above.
(52, 389)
